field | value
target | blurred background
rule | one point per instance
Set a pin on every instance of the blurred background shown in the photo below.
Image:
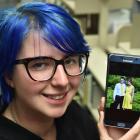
(109, 26)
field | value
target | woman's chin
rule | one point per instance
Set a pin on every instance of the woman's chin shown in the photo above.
(56, 113)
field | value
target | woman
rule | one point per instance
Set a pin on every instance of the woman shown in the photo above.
(129, 94)
(43, 59)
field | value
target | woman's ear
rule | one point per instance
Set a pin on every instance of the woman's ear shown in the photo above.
(9, 80)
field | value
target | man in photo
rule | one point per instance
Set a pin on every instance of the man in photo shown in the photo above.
(118, 94)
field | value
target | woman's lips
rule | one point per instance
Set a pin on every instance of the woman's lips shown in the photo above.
(56, 98)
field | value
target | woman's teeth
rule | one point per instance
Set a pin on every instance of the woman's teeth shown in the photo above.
(56, 97)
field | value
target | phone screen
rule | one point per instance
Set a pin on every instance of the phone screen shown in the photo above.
(122, 106)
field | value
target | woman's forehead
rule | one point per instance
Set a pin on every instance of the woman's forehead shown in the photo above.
(35, 45)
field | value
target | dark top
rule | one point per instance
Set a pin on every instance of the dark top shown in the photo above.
(76, 124)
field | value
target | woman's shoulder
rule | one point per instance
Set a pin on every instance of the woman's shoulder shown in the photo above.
(78, 111)
(79, 122)
(12, 131)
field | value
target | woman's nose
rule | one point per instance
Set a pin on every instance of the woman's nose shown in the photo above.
(60, 77)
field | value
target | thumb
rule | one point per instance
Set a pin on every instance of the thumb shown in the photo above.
(102, 129)
(133, 133)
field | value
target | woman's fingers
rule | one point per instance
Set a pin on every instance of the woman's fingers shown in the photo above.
(102, 130)
(101, 104)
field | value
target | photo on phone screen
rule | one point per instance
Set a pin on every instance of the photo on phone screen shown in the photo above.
(122, 106)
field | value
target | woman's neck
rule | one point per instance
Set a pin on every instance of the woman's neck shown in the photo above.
(38, 124)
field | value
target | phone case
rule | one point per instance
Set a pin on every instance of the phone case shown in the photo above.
(122, 105)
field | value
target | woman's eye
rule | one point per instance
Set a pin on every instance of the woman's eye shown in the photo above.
(71, 61)
(39, 66)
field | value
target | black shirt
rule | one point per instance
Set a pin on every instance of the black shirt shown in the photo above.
(75, 124)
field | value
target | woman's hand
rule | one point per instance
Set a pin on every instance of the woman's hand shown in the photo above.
(112, 133)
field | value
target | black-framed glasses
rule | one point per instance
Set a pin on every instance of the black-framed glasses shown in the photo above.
(44, 68)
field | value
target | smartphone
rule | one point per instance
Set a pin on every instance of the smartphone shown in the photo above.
(122, 105)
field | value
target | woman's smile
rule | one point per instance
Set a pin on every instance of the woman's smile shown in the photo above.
(56, 98)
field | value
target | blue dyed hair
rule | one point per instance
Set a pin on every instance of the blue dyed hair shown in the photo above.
(53, 22)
